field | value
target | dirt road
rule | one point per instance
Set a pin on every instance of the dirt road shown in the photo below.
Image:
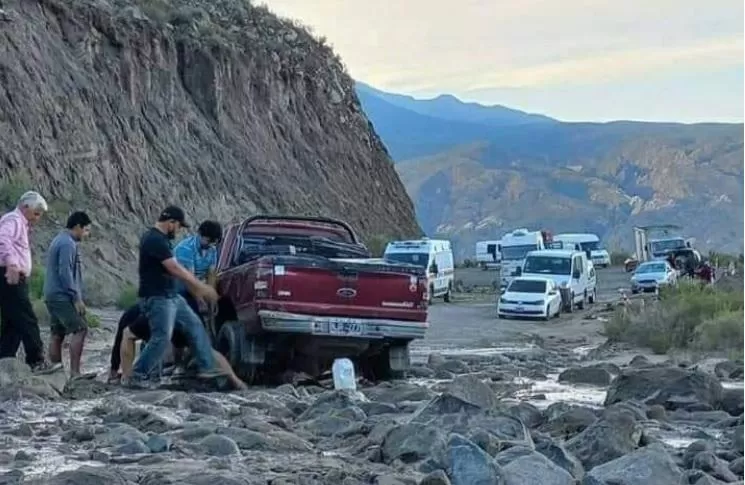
(470, 321)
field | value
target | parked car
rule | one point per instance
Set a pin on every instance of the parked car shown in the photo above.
(298, 292)
(530, 297)
(652, 275)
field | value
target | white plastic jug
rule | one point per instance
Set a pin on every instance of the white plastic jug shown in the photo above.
(343, 372)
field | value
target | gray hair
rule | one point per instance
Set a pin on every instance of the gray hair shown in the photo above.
(34, 201)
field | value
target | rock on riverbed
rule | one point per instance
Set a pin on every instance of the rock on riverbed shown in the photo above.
(467, 429)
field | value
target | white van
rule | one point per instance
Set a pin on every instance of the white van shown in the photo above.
(488, 254)
(586, 242)
(434, 254)
(569, 269)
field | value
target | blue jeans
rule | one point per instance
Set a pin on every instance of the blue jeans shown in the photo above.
(164, 314)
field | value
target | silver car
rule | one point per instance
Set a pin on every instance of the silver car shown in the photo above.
(653, 275)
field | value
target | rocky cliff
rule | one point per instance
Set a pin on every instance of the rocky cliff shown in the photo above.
(120, 107)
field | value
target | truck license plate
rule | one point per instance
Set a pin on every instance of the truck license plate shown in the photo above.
(345, 328)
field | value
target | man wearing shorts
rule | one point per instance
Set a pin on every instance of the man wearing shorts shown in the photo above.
(133, 326)
(63, 294)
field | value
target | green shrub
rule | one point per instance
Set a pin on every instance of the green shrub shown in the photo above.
(377, 244)
(36, 282)
(691, 316)
(93, 320)
(127, 297)
(41, 312)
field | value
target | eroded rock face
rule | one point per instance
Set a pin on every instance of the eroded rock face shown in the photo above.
(120, 108)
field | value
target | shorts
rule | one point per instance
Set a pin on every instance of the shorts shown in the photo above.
(65, 318)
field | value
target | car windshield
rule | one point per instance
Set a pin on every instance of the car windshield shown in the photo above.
(548, 265)
(651, 268)
(527, 286)
(590, 246)
(419, 259)
(514, 253)
(659, 247)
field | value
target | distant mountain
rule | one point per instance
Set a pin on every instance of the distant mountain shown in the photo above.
(449, 107)
(471, 180)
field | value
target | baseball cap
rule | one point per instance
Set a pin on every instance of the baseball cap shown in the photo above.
(174, 213)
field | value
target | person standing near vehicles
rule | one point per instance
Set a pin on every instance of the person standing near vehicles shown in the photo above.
(18, 322)
(198, 254)
(164, 307)
(63, 294)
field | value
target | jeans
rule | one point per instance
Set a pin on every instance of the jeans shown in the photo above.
(18, 322)
(165, 313)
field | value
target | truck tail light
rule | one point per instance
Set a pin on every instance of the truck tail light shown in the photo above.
(424, 289)
(262, 284)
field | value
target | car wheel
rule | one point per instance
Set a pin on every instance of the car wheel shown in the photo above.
(547, 316)
(593, 296)
(581, 304)
(446, 297)
(634, 292)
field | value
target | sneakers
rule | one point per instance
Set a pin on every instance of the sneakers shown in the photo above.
(46, 367)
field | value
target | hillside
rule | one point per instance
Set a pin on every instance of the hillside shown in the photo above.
(121, 107)
(481, 181)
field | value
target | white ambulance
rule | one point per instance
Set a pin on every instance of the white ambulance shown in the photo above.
(434, 254)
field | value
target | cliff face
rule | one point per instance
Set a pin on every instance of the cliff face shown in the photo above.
(121, 107)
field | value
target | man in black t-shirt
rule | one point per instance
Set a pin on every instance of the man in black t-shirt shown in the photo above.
(164, 308)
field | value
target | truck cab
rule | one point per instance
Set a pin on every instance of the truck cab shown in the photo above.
(569, 269)
(298, 292)
(436, 256)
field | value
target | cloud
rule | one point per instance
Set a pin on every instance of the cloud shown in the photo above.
(474, 45)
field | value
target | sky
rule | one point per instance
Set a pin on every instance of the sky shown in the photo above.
(576, 60)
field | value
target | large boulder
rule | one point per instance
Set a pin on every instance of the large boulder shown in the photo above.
(594, 376)
(467, 464)
(609, 438)
(16, 378)
(647, 466)
(413, 442)
(535, 468)
(473, 390)
(671, 387)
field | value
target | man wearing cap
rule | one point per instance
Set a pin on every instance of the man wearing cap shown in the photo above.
(163, 306)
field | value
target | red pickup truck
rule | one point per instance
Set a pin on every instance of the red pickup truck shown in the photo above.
(297, 292)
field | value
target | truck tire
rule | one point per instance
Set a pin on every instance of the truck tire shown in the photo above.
(446, 297)
(390, 363)
(581, 304)
(431, 295)
(232, 343)
(593, 296)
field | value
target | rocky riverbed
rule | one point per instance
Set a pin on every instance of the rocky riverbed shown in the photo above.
(510, 416)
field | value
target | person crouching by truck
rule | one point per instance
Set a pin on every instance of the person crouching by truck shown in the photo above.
(198, 254)
(133, 326)
(63, 293)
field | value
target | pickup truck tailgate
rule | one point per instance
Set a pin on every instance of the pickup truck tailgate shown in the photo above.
(350, 287)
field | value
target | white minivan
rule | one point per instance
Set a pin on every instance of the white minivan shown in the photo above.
(588, 243)
(569, 269)
(434, 254)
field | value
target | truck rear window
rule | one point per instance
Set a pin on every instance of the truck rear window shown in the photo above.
(255, 245)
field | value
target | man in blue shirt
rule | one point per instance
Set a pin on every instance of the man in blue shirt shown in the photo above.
(63, 294)
(198, 254)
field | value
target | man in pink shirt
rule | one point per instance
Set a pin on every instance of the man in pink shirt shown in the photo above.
(18, 322)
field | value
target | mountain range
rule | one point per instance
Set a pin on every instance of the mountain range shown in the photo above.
(476, 172)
